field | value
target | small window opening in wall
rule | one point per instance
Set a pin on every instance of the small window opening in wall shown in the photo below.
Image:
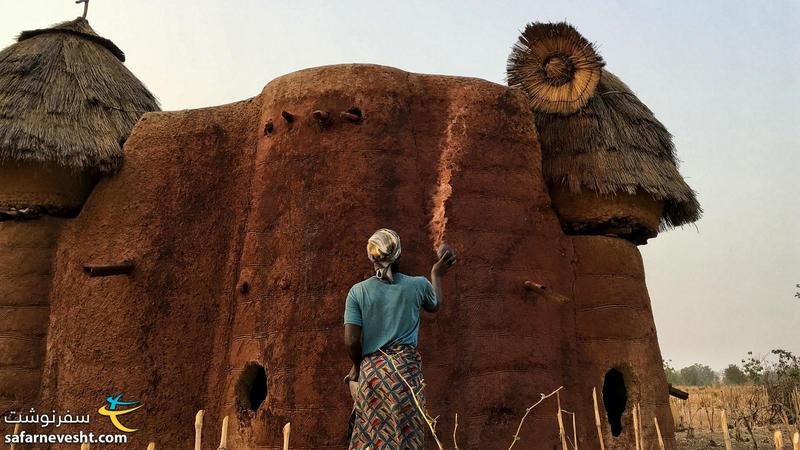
(615, 396)
(251, 388)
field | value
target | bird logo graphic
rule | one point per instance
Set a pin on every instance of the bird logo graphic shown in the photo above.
(113, 413)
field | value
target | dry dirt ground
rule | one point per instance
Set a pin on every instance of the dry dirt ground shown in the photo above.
(700, 439)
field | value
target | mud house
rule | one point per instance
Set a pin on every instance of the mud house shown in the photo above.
(186, 281)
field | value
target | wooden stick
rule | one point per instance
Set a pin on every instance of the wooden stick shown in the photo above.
(198, 429)
(431, 421)
(561, 433)
(287, 429)
(635, 413)
(796, 441)
(321, 116)
(287, 116)
(223, 439)
(574, 433)
(350, 117)
(723, 418)
(107, 270)
(677, 393)
(528, 411)
(545, 292)
(597, 419)
(151, 446)
(16, 432)
(455, 428)
(658, 433)
(84, 446)
(778, 439)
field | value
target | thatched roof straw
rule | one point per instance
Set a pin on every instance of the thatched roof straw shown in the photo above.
(67, 98)
(556, 67)
(614, 144)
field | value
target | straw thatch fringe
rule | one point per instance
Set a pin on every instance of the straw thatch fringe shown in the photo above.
(614, 144)
(66, 97)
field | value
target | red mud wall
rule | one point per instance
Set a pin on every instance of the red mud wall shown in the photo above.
(26, 251)
(435, 157)
(246, 242)
(176, 211)
(615, 329)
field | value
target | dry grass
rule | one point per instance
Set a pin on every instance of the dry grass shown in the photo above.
(752, 418)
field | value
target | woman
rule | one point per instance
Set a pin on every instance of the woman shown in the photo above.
(381, 327)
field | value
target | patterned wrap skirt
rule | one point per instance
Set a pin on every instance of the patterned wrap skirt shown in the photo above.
(386, 415)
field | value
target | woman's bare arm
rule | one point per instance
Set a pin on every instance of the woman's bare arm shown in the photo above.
(438, 271)
(352, 340)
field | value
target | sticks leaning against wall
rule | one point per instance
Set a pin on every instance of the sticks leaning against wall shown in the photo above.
(198, 434)
(561, 433)
(287, 429)
(597, 420)
(638, 421)
(198, 429)
(223, 438)
(658, 433)
(574, 433)
(641, 426)
(455, 429)
(635, 412)
(16, 432)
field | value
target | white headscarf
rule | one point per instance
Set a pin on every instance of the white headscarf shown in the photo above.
(383, 249)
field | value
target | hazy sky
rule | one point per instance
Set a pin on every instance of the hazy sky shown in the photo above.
(723, 76)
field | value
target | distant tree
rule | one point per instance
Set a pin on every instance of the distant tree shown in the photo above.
(673, 377)
(788, 365)
(797, 294)
(734, 375)
(698, 375)
(753, 368)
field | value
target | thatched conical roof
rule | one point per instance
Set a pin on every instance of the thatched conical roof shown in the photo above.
(612, 144)
(67, 98)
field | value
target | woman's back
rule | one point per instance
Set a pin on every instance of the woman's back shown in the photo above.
(388, 313)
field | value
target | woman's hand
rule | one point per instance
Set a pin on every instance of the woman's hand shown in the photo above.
(447, 258)
(353, 375)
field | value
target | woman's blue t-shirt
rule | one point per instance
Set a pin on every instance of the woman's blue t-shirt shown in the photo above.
(388, 313)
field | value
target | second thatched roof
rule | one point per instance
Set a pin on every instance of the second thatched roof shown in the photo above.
(67, 98)
(608, 143)
(615, 144)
